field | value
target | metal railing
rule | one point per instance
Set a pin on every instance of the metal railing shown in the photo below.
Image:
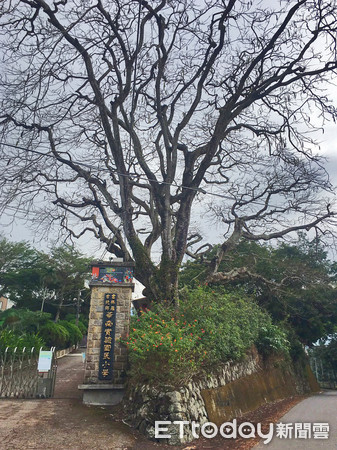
(326, 377)
(19, 377)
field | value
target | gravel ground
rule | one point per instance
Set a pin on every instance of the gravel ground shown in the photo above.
(63, 422)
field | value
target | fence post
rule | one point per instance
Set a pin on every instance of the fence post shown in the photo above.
(3, 363)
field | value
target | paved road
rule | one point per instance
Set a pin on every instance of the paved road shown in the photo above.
(320, 408)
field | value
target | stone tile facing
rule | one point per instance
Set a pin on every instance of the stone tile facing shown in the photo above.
(95, 329)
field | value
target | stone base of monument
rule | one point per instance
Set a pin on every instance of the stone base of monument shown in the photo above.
(106, 359)
(102, 394)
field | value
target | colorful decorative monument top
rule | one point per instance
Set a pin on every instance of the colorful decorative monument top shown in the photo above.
(112, 272)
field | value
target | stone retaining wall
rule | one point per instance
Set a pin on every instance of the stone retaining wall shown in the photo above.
(230, 391)
(65, 351)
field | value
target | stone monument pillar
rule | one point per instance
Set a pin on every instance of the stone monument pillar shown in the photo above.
(106, 358)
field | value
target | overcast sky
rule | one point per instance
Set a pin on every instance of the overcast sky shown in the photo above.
(20, 230)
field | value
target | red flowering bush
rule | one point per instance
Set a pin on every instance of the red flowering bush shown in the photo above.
(210, 327)
(161, 342)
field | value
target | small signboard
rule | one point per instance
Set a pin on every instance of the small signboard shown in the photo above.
(108, 337)
(45, 360)
(112, 273)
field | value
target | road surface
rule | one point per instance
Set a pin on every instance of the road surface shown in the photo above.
(309, 414)
(63, 422)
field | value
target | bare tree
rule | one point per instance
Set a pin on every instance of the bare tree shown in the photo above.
(122, 118)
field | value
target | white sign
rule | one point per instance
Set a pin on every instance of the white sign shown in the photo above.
(45, 359)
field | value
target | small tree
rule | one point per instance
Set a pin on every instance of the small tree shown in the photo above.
(69, 270)
(24, 274)
(38, 281)
(295, 283)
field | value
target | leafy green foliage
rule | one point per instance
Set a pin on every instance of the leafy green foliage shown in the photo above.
(35, 280)
(272, 339)
(294, 283)
(70, 269)
(162, 345)
(12, 340)
(54, 335)
(23, 320)
(83, 326)
(32, 279)
(210, 327)
(22, 273)
(75, 334)
(24, 328)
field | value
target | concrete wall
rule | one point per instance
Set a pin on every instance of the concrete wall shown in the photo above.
(250, 392)
(229, 391)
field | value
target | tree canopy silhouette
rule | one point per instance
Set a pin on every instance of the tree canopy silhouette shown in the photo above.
(130, 119)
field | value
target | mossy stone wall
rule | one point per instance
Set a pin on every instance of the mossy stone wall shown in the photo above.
(231, 390)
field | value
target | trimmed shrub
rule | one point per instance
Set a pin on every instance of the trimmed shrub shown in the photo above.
(54, 334)
(81, 325)
(75, 334)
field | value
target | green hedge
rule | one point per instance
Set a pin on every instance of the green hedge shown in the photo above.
(23, 328)
(209, 327)
(54, 335)
(82, 323)
(75, 334)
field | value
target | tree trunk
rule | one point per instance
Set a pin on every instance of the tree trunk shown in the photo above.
(59, 307)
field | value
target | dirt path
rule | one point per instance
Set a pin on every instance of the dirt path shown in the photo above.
(63, 422)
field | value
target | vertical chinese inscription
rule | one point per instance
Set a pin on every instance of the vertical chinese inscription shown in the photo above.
(108, 337)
